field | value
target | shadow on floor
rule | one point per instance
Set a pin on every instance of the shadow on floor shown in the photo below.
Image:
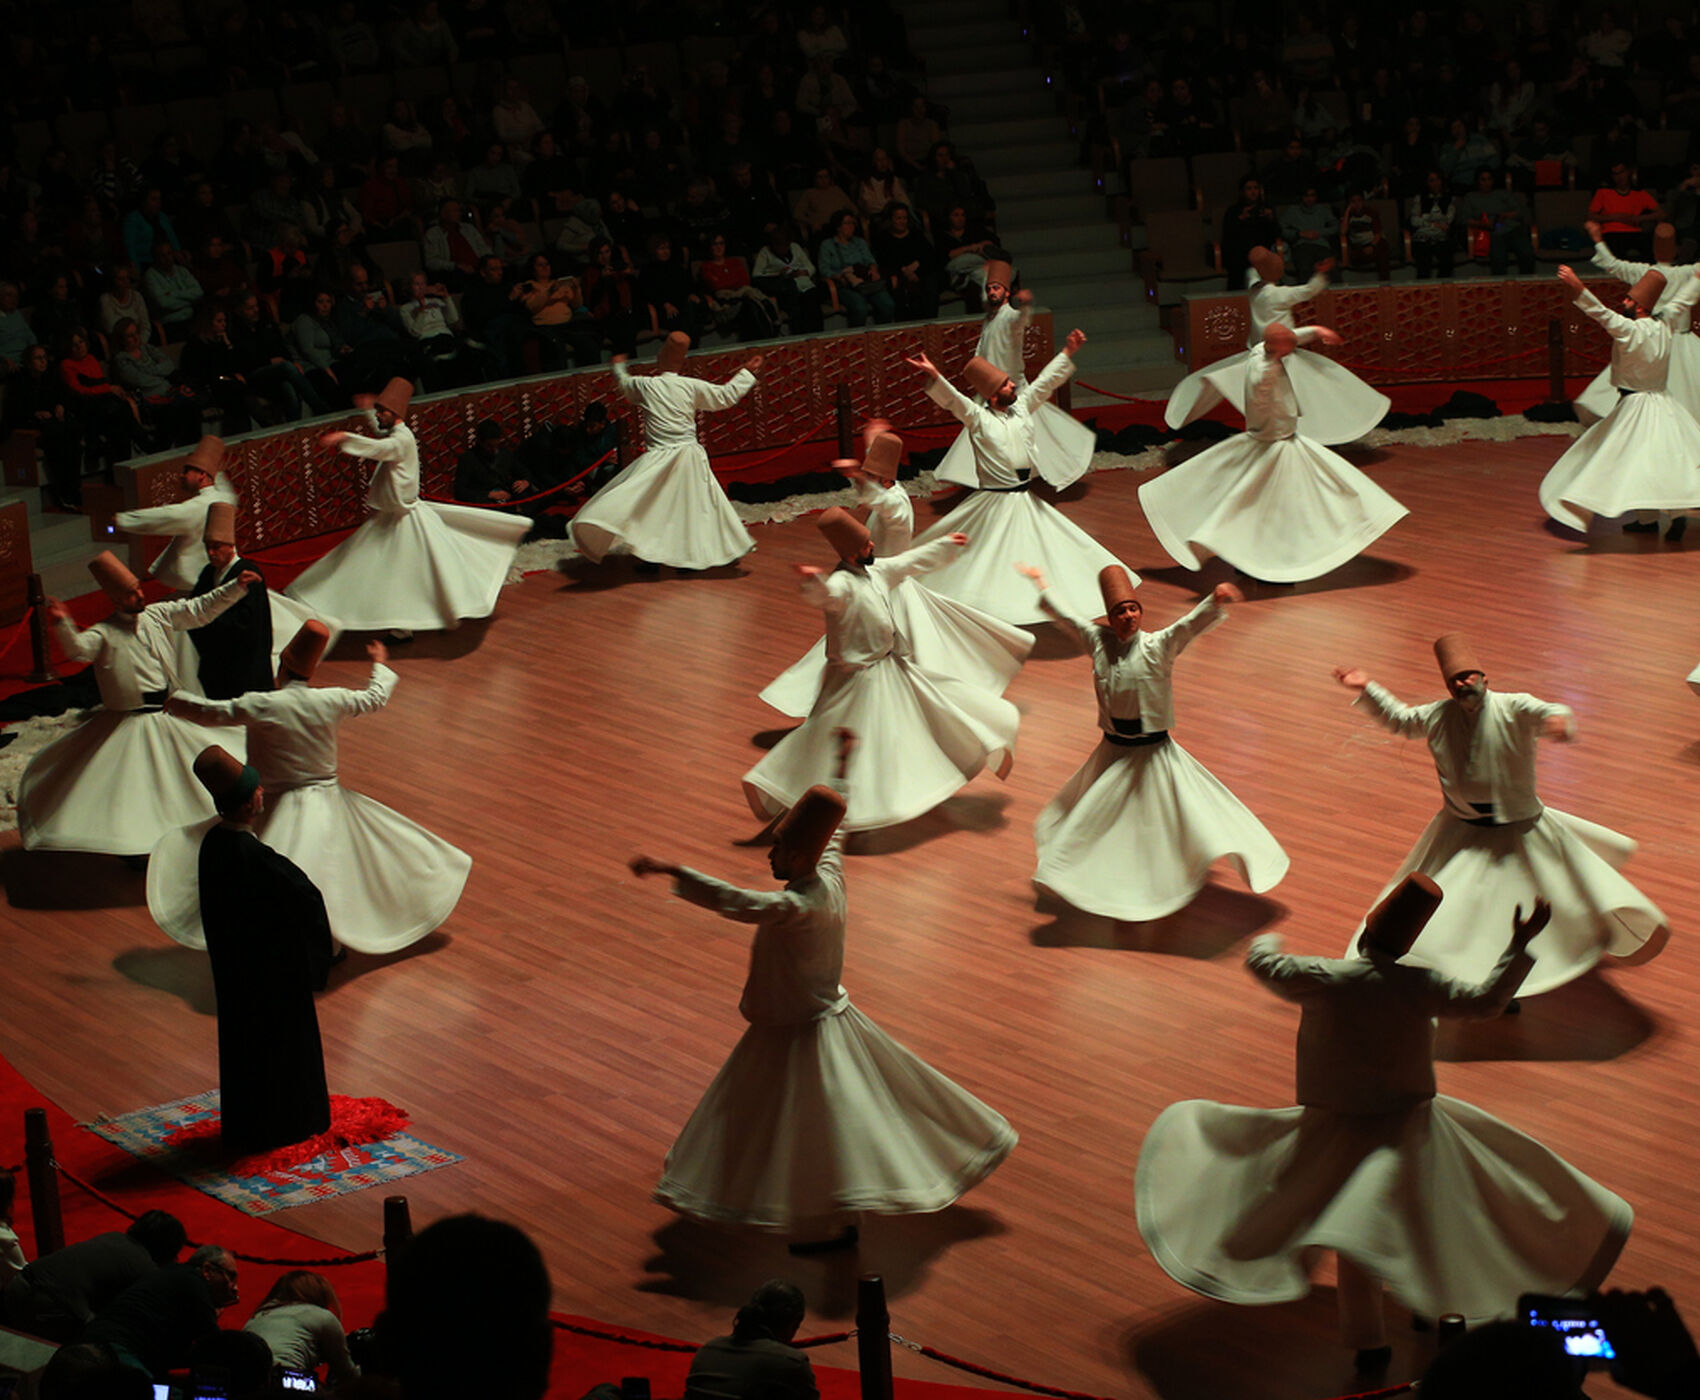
(183, 972)
(965, 812)
(1366, 571)
(70, 880)
(450, 645)
(1207, 928)
(620, 571)
(1588, 1019)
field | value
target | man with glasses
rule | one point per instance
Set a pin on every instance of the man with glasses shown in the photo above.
(153, 1325)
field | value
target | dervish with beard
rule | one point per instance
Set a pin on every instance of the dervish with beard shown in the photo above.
(1008, 520)
(1063, 443)
(1493, 844)
(179, 564)
(1675, 307)
(121, 779)
(922, 735)
(1643, 456)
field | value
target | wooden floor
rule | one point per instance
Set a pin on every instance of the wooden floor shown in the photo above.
(561, 1027)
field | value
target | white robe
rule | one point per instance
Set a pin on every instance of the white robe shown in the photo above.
(414, 564)
(1007, 524)
(1136, 829)
(1675, 308)
(179, 564)
(1274, 504)
(387, 882)
(666, 507)
(1645, 454)
(1063, 446)
(124, 776)
(817, 1112)
(1531, 852)
(921, 736)
(1338, 406)
(945, 637)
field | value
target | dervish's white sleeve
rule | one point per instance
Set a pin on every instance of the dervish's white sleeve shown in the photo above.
(1687, 287)
(731, 902)
(1078, 626)
(1380, 704)
(384, 449)
(951, 399)
(1177, 636)
(827, 592)
(212, 711)
(77, 646)
(1534, 713)
(179, 518)
(1486, 998)
(1290, 978)
(375, 696)
(1051, 378)
(923, 559)
(1619, 328)
(711, 398)
(1629, 272)
(626, 384)
(186, 613)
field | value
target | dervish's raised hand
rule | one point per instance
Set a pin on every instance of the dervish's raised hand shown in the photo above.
(1567, 275)
(1351, 677)
(376, 652)
(249, 578)
(619, 359)
(1326, 266)
(958, 538)
(922, 363)
(1595, 232)
(1329, 336)
(1225, 593)
(753, 364)
(1076, 338)
(1034, 572)
(1556, 727)
(331, 439)
(57, 611)
(1023, 299)
(645, 865)
(808, 570)
(1523, 931)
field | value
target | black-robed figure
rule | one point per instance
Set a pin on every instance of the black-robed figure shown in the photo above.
(235, 648)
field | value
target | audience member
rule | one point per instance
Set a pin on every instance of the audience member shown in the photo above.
(486, 473)
(847, 262)
(55, 1296)
(559, 317)
(300, 1320)
(1433, 220)
(173, 290)
(757, 1358)
(783, 270)
(1626, 214)
(1496, 222)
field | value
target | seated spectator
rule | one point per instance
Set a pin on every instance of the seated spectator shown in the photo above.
(532, 22)
(454, 246)
(559, 318)
(466, 1313)
(1413, 156)
(491, 315)
(1626, 214)
(586, 446)
(1249, 222)
(232, 1365)
(515, 121)
(1309, 228)
(16, 337)
(494, 178)
(627, 225)
(611, 295)
(757, 1358)
(783, 270)
(848, 263)
(1294, 171)
(1510, 102)
(917, 134)
(1541, 146)
(665, 285)
(964, 244)
(352, 42)
(583, 225)
(115, 180)
(122, 298)
(145, 226)
(1465, 153)
(300, 1320)
(325, 207)
(946, 183)
(285, 272)
(823, 94)
(210, 367)
(344, 146)
(751, 205)
(792, 153)
(35, 402)
(1266, 120)
(386, 204)
(910, 265)
(170, 410)
(174, 291)
(820, 36)
(154, 1324)
(424, 39)
(703, 214)
(86, 1371)
(487, 473)
(549, 180)
(203, 217)
(735, 304)
(1496, 217)
(266, 363)
(506, 235)
(429, 316)
(1433, 220)
(729, 147)
(404, 136)
(271, 208)
(882, 188)
(319, 340)
(1362, 243)
(108, 415)
(820, 204)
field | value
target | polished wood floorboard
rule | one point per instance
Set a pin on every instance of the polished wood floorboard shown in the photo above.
(562, 1025)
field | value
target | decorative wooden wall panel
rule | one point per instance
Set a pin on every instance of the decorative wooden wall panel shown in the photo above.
(15, 565)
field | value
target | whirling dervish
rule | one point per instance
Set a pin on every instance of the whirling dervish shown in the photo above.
(1675, 307)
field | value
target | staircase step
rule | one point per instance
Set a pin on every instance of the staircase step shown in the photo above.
(1041, 184)
(1039, 266)
(940, 14)
(1037, 103)
(949, 88)
(931, 40)
(993, 160)
(998, 131)
(1038, 216)
(971, 59)
(65, 572)
(1066, 238)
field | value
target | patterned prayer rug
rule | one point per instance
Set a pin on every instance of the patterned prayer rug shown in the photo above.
(364, 1147)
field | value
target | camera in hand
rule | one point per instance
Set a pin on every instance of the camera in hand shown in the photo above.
(1577, 1322)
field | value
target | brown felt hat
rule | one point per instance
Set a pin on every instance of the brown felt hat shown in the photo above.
(1282, 340)
(1116, 586)
(305, 650)
(1456, 656)
(208, 455)
(671, 355)
(221, 524)
(397, 397)
(1393, 925)
(848, 535)
(230, 781)
(1664, 243)
(1646, 292)
(809, 825)
(983, 377)
(113, 576)
(884, 457)
(997, 270)
(1267, 263)
(872, 429)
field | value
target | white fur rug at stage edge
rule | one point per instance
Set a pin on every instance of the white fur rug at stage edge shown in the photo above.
(33, 735)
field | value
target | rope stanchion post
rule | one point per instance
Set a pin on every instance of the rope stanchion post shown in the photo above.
(1555, 361)
(873, 1338)
(43, 1183)
(846, 433)
(398, 1225)
(41, 669)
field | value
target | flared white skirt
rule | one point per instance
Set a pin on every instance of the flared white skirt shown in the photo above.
(665, 508)
(1007, 528)
(827, 1117)
(1335, 406)
(1486, 872)
(1453, 1210)
(117, 783)
(386, 881)
(1644, 456)
(1134, 833)
(1281, 511)
(944, 636)
(1683, 385)
(920, 738)
(1062, 451)
(422, 568)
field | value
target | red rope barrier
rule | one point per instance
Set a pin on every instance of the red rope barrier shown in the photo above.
(1111, 393)
(808, 436)
(90, 1189)
(17, 631)
(525, 500)
(650, 1344)
(1002, 1377)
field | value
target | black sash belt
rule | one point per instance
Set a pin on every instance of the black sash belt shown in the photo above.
(1487, 817)
(1135, 741)
(1625, 393)
(1025, 482)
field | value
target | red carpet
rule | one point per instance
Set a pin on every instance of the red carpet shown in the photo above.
(580, 1362)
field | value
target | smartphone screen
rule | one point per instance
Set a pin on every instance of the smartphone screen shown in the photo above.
(1583, 1335)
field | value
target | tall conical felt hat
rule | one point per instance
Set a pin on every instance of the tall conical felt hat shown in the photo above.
(671, 355)
(208, 455)
(221, 524)
(848, 535)
(1648, 290)
(230, 781)
(1115, 585)
(1664, 243)
(1398, 919)
(115, 580)
(885, 457)
(809, 825)
(1456, 656)
(305, 650)
(1267, 263)
(983, 377)
(872, 429)
(997, 270)
(397, 397)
